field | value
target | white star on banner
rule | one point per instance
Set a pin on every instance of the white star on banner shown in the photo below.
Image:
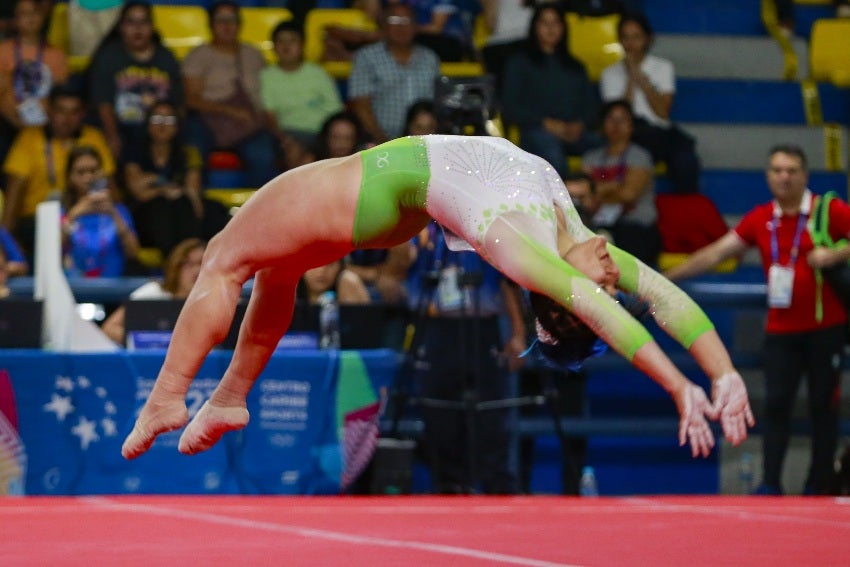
(64, 383)
(85, 430)
(109, 427)
(83, 382)
(60, 405)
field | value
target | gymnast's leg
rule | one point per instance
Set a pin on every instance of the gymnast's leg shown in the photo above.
(203, 323)
(266, 320)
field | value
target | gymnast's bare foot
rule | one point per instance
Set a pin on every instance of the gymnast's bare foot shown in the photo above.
(209, 424)
(153, 420)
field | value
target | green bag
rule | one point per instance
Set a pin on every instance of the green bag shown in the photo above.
(838, 276)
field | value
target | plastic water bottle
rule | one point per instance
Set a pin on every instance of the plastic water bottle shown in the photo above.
(587, 486)
(745, 474)
(328, 321)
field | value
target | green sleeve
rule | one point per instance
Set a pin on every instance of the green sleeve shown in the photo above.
(672, 308)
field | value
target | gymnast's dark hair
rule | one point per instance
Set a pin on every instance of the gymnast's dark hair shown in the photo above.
(575, 340)
(570, 341)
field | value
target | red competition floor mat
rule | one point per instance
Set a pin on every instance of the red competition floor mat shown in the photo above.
(424, 531)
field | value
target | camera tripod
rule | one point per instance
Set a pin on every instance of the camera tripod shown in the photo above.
(473, 332)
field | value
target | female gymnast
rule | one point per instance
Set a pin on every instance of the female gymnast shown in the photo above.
(508, 205)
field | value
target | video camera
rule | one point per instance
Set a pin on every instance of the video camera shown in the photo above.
(463, 105)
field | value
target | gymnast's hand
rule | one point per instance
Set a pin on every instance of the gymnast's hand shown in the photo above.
(732, 406)
(694, 409)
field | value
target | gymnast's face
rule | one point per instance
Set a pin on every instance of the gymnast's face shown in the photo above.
(591, 258)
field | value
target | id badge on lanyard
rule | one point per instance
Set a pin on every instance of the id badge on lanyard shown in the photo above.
(31, 112)
(780, 279)
(780, 286)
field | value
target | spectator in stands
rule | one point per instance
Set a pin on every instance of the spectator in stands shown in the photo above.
(806, 322)
(842, 8)
(131, 70)
(389, 76)
(446, 27)
(336, 277)
(342, 41)
(222, 81)
(624, 201)
(649, 84)
(297, 95)
(181, 271)
(421, 119)
(89, 21)
(341, 135)
(507, 26)
(164, 178)
(29, 67)
(582, 189)
(98, 233)
(546, 92)
(38, 158)
(14, 261)
(458, 300)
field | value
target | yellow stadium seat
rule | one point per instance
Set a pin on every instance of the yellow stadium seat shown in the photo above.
(314, 34)
(150, 257)
(57, 31)
(593, 41)
(462, 69)
(480, 33)
(181, 27)
(668, 260)
(829, 46)
(257, 26)
(58, 35)
(230, 198)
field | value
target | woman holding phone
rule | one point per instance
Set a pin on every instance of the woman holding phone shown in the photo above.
(97, 233)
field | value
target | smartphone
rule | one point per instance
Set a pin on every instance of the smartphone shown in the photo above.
(98, 185)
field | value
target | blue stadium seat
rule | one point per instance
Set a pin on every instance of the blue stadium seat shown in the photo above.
(720, 17)
(736, 192)
(736, 101)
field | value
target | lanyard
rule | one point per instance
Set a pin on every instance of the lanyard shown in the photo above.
(795, 245)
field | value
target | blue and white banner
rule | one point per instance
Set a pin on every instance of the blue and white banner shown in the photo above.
(74, 412)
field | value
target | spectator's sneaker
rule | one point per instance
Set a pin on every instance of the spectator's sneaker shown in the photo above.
(767, 490)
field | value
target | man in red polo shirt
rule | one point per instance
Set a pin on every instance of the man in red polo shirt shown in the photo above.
(806, 322)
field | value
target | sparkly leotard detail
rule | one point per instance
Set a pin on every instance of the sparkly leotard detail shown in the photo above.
(500, 201)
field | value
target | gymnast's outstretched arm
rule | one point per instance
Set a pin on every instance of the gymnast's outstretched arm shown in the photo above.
(685, 321)
(517, 245)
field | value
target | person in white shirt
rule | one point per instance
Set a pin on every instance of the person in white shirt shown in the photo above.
(507, 26)
(181, 271)
(648, 82)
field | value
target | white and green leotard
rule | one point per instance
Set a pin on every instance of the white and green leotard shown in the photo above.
(500, 201)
